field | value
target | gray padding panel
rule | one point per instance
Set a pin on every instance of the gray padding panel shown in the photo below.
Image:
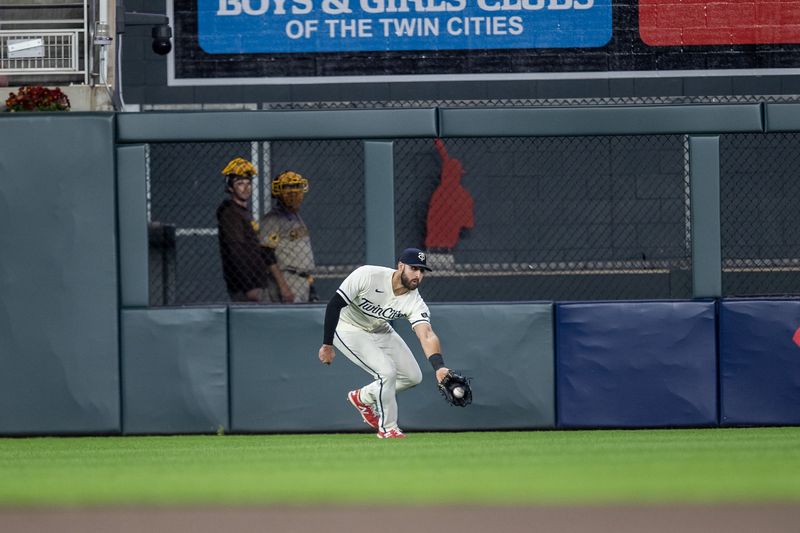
(705, 213)
(466, 122)
(175, 370)
(782, 117)
(508, 351)
(253, 125)
(59, 355)
(278, 384)
(379, 202)
(132, 216)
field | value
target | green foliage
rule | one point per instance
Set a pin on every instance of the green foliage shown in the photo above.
(536, 467)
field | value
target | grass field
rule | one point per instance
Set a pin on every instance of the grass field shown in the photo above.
(536, 467)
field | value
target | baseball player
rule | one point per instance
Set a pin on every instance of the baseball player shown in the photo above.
(357, 323)
(283, 230)
(246, 265)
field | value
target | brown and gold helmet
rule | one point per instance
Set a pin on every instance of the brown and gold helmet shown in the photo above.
(288, 182)
(237, 169)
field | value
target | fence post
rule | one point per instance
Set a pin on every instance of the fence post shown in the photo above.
(132, 220)
(379, 201)
(705, 216)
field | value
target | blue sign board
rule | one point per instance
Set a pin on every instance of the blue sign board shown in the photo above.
(308, 26)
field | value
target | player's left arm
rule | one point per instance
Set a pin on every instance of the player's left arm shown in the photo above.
(432, 348)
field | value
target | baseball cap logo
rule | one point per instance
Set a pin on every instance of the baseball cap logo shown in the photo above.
(414, 257)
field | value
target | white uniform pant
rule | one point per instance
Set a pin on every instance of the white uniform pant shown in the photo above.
(390, 362)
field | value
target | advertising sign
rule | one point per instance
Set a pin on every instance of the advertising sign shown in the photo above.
(291, 26)
(224, 42)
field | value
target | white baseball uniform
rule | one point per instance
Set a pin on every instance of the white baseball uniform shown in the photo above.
(365, 336)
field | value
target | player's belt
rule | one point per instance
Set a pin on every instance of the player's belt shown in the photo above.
(297, 273)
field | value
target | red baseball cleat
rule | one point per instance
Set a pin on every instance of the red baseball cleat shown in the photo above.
(366, 412)
(394, 433)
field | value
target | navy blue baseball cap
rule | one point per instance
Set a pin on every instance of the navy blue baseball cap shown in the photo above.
(415, 257)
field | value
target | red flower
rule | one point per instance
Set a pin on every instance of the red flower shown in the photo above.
(37, 98)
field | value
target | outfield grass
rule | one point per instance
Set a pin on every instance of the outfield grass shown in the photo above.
(568, 467)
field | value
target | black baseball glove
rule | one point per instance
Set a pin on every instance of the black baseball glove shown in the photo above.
(451, 382)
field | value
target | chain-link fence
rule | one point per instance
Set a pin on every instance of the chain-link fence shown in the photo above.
(186, 187)
(550, 218)
(504, 219)
(560, 218)
(760, 214)
(508, 102)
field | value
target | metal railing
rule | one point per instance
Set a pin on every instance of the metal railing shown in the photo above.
(59, 45)
(60, 52)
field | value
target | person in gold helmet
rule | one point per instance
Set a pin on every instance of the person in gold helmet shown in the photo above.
(247, 266)
(282, 229)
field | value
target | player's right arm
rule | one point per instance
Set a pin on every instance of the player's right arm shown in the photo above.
(332, 312)
(230, 225)
(245, 258)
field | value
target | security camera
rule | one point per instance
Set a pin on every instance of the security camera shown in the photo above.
(161, 39)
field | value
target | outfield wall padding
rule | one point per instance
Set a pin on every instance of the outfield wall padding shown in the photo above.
(598, 120)
(292, 124)
(279, 385)
(508, 351)
(175, 370)
(132, 226)
(59, 370)
(277, 381)
(759, 362)
(636, 364)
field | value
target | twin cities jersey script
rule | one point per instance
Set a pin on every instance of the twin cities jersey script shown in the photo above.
(372, 303)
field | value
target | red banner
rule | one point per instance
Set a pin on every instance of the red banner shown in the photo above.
(701, 22)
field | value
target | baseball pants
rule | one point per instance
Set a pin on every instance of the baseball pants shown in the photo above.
(387, 358)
